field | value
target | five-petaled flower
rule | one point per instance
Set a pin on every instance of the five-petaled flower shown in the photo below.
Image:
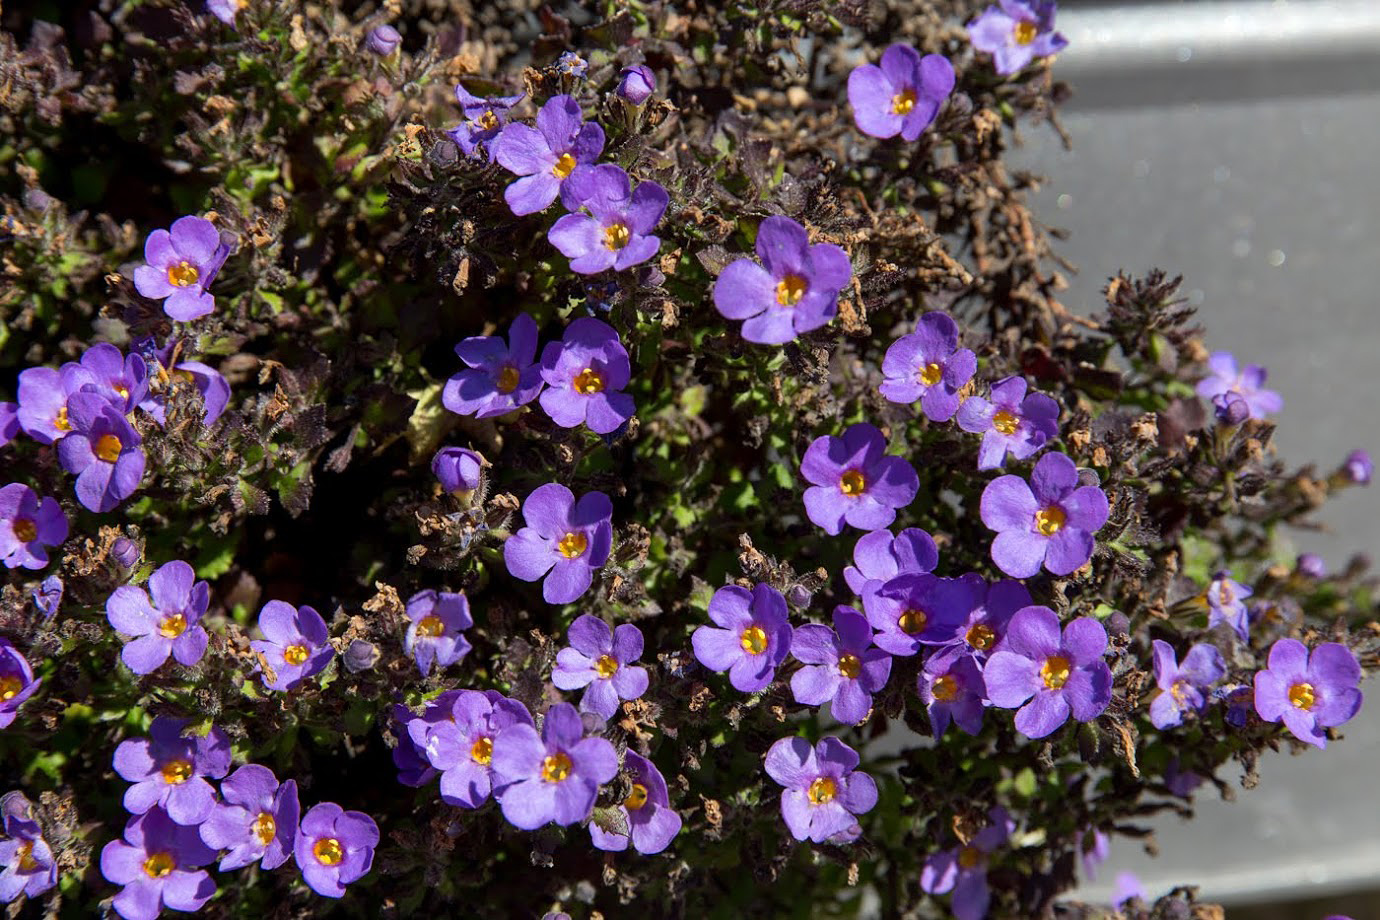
(563, 537)
(854, 482)
(334, 847)
(157, 864)
(256, 821)
(500, 377)
(42, 410)
(27, 863)
(903, 95)
(602, 660)
(1048, 522)
(457, 738)
(484, 119)
(1309, 692)
(929, 366)
(436, 620)
(984, 628)
(169, 771)
(910, 612)
(1011, 422)
(585, 374)
(646, 812)
(1182, 686)
(102, 450)
(169, 625)
(545, 156)
(952, 689)
(1227, 387)
(181, 266)
(1016, 33)
(842, 666)
(879, 557)
(296, 644)
(554, 776)
(17, 681)
(824, 791)
(1049, 675)
(27, 526)
(617, 231)
(963, 869)
(752, 635)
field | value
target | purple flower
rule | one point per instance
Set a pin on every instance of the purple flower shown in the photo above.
(27, 525)
(484, 118)
(1128, 887)
(500, 377)
(794, 290)
(903, 95)
(854, 482)
(43, 392)
(1181, 782)
(751, 638)
(586, 372)
(181, 266)
(17, 682)
(636, 84)
(104, 370)
(383, 40)
(566, 538)
(912, 611)
(963, 870)
(1358, 467)
(334, 847)
(9, 422)
(1016, 33)
(125, 552)
(225, 10)
(878, 557)
(48, 595)
(1309, 693)
(617, 232)
(27, 865)
(545, 156)
(168, 771)
(170, 625)
(1093, 849)
(823, 793)
(434, 633)
(256, 821)
(929, 366)
(843, 668)
(1181, 686)
(103, 451)
(1312, 565)
(646, 812)
(1047, 675)
(1239, 701)
(296, 644)
(1049, 522)
(458, 740)
(157, 865)
(601, 659)
(459, 470)
(1011, 423)
(360, 655)
(952, 689)
(1226, 605)
(570, 64)
(408, 756)
(982, 632)
(1226, 386)
(551, 777)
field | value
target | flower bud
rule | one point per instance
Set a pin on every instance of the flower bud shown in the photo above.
(360, 656)
(125, 552)
(636, 84)
(459, 470)
(383, 40)
(1359, 467)
(1312, 565)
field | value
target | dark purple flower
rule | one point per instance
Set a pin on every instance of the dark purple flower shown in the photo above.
(586, 372)
(296, 644)
(500, 377)
(963, 870)
(878, 557)
(854, 482)
(1226, 606)
(843, 668)
(256, 821)
(104, 370)
(1239, 702)
(48, 595)
(1358, 467)
(170, 625)
(617, 232)
(952, 689)
(982, 632)
(434, 634)
(27, 525)
(794, 290)
(1016, 33)
(1311, 565)
(169, 771)
(1047, 675)
(602, 660)
(752, 635)
(27, 865)
(554, 776)
(636, 84)
(646, 812)
(1181, 687)
(383, 40)
(484, 118)
(566, 538)
(17, 682)
(9, 422)
(360, 655)
(1310, 693)
(1179, 781)
(103, 451)
(824, 793)
(157, 865)
(903, 95)
(1011, 422)
(43, 393)
(929, 366)
(912, 611)
(334, 847)
(1049, 522)
(545, 156)
(181, 266)
(1226, 385)
(457, 738)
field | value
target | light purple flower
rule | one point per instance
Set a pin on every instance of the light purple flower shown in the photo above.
(27, 865)
(929, 366)
(984, 629)
(1128, 887)
(102, 449)
(1011, 422)
(458, 740)
(500, 377)
(963, 870)
(434, 634)
(1226, 605)
(842, 669)
(952, 689)
(43, 393)
(566, 538)
(1093, 849)
(545, 156)
(1227, 385)
(169, 771)
(1309, 692)
(296, 644)
(181, 266)
(1358, 467)
(17, 682)
(9, 422)
(459, 470)
(121, 380)
(484, 118)
(636, 84)
(157, 863)
(646, 812)
(752, 635)
(879, 557)
(602, 660)
(903, 95)
(334, 847)
(824, 793)
(1181, 687)
(27, 526)
(170, 625)
(910, 612)
(617, 232)
(585, 374)
(854, 482)
(48, 595)
(1312, 565)
(554, 776)
(1049, 522)
(225, 10)
(383, 40)
(256, 821)
(1049, 676)
(1016, 33)
(794, 290)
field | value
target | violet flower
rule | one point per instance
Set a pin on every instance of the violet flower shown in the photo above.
(157, 863)
(484, 119)
(121, 380)
(27, 526)
(963, 870)
(929, 366)
(545, 156)
(1094, 847)
(459, 470)
(1016, 33)
(1228, 385)
(1311, 565)
(554, 776)
(952, 689)
(1049, 522)
(9, 422)
(794, 290)
(225, 10)
(1226, 605)
(383, 40)
(1048, 675)
(910, 612)
(636, 84)
(1181, 687)
(27, 864)
(1309, 692)
(646, 812)
(750, 638)
(879, 557)
(459, 741)
(1358, 466)
(182, 263)
(903, 95)
(585, 374)
(334, 847)
(1011, 422)
(434, 632)
(563, 537)
(842, 669)
(823, 791)
(17, 682)
(570, 64)
(854, 482)
(256, 821)
(602, 660)
(617, 232)
(411, 757)
(296, 644)
(500, 377)
(43, 393)
(47, 597)
(1181, 782)
(169, 771)
(983, 630)
(1128, 888)
(170, 625)
(103, 451)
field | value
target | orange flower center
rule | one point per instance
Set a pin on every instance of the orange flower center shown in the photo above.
(849, 666)
(488, 121)
(1005, 422)
(25, 530)
(159, 865)
(1050, 521)
(296, 654)
(1025, 32)
(606, 666)
(564, 166)
(328, 851)
(176, 772)
(969, 857)
(636, 798)
(589, 381)
(945, 689)
(27, 863)
(903, 102)
(264, 828)
(172, 626)
(822, 791)
(572, 545)
(852, 483)
(981, 636)
(931, 374)
(754, 640)
(912, 622)
(183, 274)
(108, 448)
(556, 768)
(430, 626)
(790, 289)
(508, 379)
(1055, 671)
(616, 236)
(1302, 695)
(9, 688)
(482, 751)
(60, 421)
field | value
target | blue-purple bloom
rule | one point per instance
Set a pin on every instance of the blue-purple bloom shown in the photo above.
(181, 264)
(383, 40)
(28, 526)
(554, 776)
(636, 84)
(500, 377)
(169, 625)
(1226, 604)
(823, 790)
(225, 10)
(910, 612)
(983, 630)
(47, 597)
(952, 689)
(334, 847)
(1227, 386)
(585, 374)
(566, 538)
(903, 95)
(1010, 423)
(296, 644)
(103, 369)
(1312, 565)
(17, 681)
(929, 366)
(842, 667)
(963, 869)
(158, 865)
(43, 392)
(456, 736)
(617, 231)
(256, 821)
(854, 482)
(102, 449)
(879, 557)
(1048, 522)
(1128, 887)
(545, 156)
(484, 119)
(1048, 675)
(646, 812)
(27, 864)
(169, 771)
(209, 382)
(459, 470)
(602, 660)
(750, 638)
(435, 629)
(1310, 693)
(1182, 686)
(1016, 33)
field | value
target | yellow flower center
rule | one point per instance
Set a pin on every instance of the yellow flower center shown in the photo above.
(183, 274)
(572, 545)
(564, 166)
(123, 390)
(1177, 691)
(172, 626)
(931, 374)
(328, 851)
(822, 791)
(617, 235)
(981, 636)
(912, 622)
(9, 688)
(1055, 671)
(296, 654)
(969, 857)
(903, 102)
(945, 689)
(25, 530)
(488, 121)
(1050, 521)
(1302, 695)
(849, 666)
(176, 772)
(790, 289)
(754, 640)
(1025, 32)
(589, 381)
(430, 626)
(606, 666)
(27, 863)
(264, 828)
(636, 798)
(1005, 422)
(852, 483)
(556, 768)
(482, 751)
(159, 865)
(108, 448)
(60, 421)
(508, 379)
